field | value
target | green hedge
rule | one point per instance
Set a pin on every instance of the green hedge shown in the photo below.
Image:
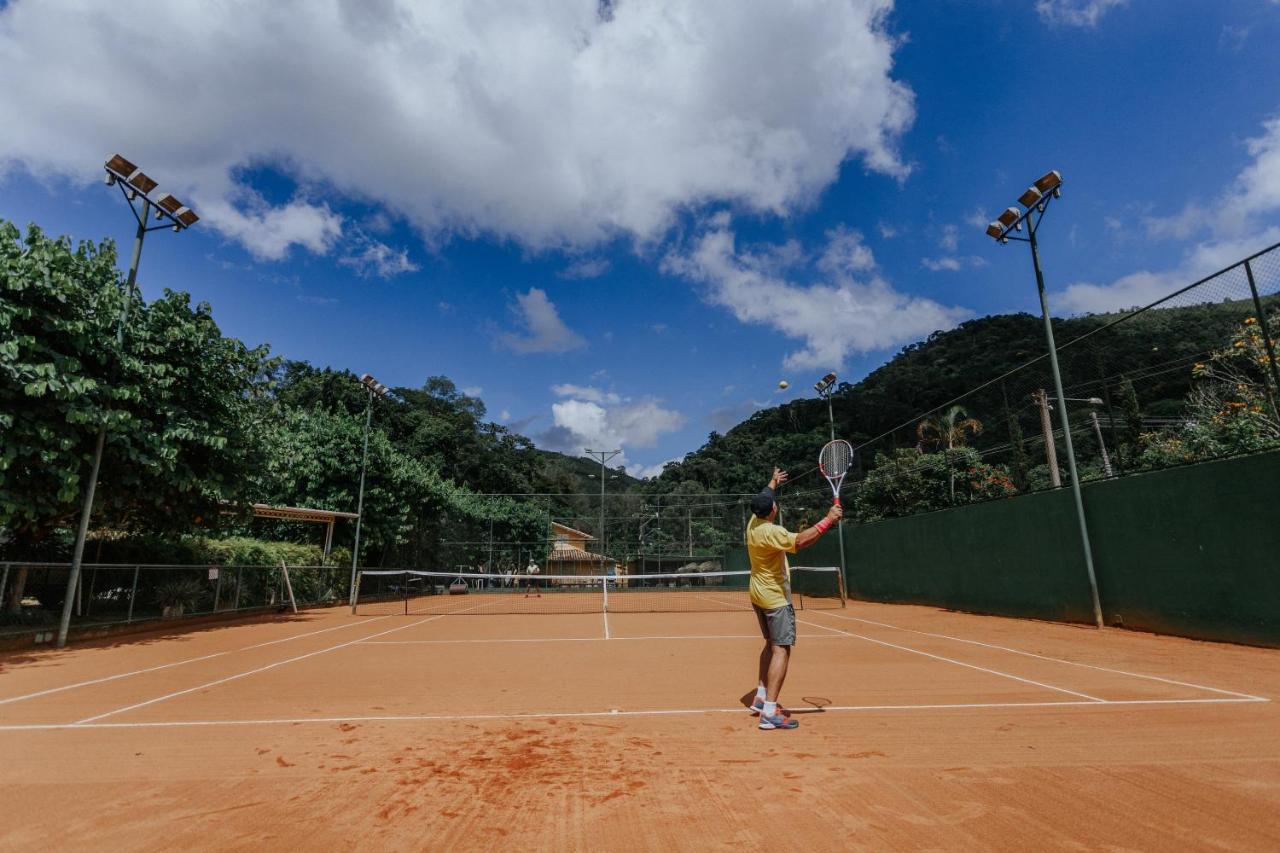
(198, 550)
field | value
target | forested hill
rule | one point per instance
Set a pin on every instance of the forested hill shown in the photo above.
(1155, 351)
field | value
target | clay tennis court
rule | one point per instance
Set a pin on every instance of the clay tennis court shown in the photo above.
(920, 728)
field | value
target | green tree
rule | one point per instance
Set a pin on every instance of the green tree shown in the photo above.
(178, 402)
(948, 430)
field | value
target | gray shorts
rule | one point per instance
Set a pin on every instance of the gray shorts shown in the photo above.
(778, 626)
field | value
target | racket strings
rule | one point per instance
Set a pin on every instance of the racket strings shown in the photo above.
(835, 459)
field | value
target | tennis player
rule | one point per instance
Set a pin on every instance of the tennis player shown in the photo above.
(532, 571)
(768, 545)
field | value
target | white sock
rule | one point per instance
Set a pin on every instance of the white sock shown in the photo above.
(770, 708)
(761, 693)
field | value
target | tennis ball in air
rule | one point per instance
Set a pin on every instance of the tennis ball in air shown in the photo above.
(783, 385)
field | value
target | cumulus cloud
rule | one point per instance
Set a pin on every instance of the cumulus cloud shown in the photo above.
(589, 417)
(1239, 222)
(1075, 13)
(553, 124)
(834, 318)
(542, 328)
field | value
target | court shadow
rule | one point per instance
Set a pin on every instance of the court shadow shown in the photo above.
(817, 703)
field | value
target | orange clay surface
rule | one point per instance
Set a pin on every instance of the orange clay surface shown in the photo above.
(919, 729)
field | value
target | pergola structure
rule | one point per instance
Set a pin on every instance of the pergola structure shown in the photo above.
(326, 517)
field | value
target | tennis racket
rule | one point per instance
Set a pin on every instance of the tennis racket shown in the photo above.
(834, 462)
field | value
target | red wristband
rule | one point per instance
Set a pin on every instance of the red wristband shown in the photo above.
(823, 526)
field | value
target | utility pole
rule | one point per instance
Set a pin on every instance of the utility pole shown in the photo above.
(1102, 445)
(1046, 426)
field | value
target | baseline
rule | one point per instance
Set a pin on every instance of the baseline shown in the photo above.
(293, 721)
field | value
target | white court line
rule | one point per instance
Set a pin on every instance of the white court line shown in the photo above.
(238, 676)
(107, 678)
(385, 718)
(949, 660)
(1057, 660)
(960, 663)
(606, 622)
(836, 636)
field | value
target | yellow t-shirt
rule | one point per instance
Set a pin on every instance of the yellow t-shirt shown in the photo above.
(768, 545)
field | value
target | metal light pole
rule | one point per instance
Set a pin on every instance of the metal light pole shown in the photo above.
(604, 456)
(1036, 199)
(823, 387)
(375, 389)
(133, 183)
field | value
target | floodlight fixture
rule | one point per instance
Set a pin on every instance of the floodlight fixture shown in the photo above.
(823, 385)
(187, 217)
(121, 166)
(1010, 216)
(1049, 181)
(168, 202)
(142, 182)
(995, 231)
(1030, 197)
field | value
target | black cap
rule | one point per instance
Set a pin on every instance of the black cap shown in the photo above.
(762, 504)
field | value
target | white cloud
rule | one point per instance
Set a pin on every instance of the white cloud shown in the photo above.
(585, 392)
(544, 331)
(267, 232)
(606, 421)
(1239, 222)
(950, 240)
(953, 263)
(472, 390)
(887, 231)
(1075, 13)
(644, 472)
(845, 254)
(548, 123)
(370, 257)
(977, 218)
(833, 319)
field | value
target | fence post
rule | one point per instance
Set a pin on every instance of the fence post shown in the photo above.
(133, 594)
(1266, 337)
(4, 585)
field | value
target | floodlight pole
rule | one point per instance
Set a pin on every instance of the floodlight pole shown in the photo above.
(132, 183)
(604, 456)
(364, 460)
(825, 391)
(1037, 200)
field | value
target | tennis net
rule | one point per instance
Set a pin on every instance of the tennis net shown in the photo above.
(381, 592)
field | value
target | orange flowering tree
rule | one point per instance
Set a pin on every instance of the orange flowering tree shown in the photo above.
(1231, 408)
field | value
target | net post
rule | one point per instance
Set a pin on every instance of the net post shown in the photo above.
(288, 585)
(404, 586)
(355, 592)
(133, 594)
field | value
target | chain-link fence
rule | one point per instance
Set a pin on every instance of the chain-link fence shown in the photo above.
(32, 594)
(1190, 377)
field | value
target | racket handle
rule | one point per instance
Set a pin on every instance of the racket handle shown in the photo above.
(836, 502)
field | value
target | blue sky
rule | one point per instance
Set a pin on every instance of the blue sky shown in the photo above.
(620, 224)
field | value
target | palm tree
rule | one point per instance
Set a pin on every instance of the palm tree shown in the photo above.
(950, 429)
